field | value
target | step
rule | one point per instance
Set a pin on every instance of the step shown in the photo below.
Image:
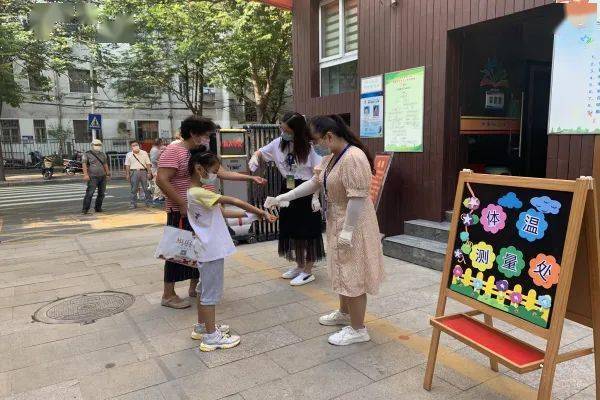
(428, 229)
(448, 215)
(425, 252)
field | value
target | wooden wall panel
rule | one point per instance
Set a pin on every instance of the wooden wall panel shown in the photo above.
(416, 33)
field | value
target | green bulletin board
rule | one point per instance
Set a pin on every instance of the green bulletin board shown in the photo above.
(403, 119)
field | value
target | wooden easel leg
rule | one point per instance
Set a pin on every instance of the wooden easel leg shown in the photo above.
(545, 388)
(433, 349)
(489, 322)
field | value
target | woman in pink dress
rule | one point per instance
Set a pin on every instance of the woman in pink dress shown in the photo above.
(355, 257)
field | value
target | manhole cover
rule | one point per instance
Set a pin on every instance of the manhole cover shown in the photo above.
(84, 308)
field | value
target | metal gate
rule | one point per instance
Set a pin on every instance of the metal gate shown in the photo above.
(259, 136)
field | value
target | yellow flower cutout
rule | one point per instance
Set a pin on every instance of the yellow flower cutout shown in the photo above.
(482, 256)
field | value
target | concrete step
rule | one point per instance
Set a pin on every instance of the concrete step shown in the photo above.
(427, 229)
(425, 252)
(448, 215)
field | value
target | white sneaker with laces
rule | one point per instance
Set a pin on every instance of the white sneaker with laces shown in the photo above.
(302, 279)
(291, 273)
(218, 340)
(199, 330)
(335, 318)
(349, 335)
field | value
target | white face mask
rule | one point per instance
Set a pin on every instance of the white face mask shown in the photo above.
(211, 178)
(135, 148)
(97, 147)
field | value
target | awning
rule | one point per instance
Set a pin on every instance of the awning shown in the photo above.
(285, 4)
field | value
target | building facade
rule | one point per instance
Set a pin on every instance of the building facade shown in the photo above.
(26, 127)
(338, 42)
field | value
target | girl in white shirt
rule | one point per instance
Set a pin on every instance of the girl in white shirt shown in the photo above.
(208, 221)
(300, 224)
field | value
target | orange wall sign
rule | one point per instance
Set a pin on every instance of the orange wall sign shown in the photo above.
(489, 126)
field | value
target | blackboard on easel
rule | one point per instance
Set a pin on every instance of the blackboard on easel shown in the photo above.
(523, 250)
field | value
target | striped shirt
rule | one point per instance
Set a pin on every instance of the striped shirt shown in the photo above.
(177, 157)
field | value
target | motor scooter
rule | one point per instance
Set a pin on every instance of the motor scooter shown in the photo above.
(73, 166)
(48, 168)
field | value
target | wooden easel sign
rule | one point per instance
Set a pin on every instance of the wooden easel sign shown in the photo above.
(526, 251)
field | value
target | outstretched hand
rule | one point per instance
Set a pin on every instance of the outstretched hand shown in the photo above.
(259, 180)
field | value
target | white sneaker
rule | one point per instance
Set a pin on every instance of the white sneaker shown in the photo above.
(335, 318)
(200, 330)
(218, 340)
(302, 279)
(291, 273)
(349, 335)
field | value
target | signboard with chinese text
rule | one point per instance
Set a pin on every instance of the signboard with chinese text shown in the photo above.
(371, 107)
(575, 87)
(403, 118)
(489, 126)
(382, 164)
(508, 248)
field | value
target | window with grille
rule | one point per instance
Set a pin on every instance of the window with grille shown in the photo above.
(39, 128)
(146, 130)
(35, 81)
(81, 131)
(9, 130)
(338, 33)
(80, 81)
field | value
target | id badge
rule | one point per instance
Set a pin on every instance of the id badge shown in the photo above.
(290, 182)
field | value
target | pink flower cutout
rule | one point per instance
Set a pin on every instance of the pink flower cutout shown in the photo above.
(493, 218)
(516, 298)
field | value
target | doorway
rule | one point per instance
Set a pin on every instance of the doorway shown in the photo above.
(504, 92)
(533, 149)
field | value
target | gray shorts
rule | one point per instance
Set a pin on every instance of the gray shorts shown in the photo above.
(210, 286)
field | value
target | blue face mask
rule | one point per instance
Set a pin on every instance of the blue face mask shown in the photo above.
(286, 137)
(322, 150)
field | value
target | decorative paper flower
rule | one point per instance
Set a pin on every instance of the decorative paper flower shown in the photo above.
(477, 284)
(482, 256)
(502, 285)
(510, 261)
(493, 218)
(545, 301)
(472, 203)
(516, 297)
(510, 200)
(532, 225)
(466, 248)
(544, 270)
(467, 219)
(464, 236)
(458, 253)
(457, 271)
(546, 205)
(475, 219)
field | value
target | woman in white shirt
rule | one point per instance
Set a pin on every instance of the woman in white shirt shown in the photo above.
(300, 224)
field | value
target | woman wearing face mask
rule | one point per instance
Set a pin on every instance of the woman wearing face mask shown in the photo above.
(300, 236)
(355, 258)
(174, 181)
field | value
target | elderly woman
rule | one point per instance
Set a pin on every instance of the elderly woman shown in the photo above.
(355, 257)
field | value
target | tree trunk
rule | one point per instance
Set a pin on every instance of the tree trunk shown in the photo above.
(2, 175)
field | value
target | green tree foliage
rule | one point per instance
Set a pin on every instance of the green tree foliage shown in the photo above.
(22, 56)
(183, 46)
(255, 58)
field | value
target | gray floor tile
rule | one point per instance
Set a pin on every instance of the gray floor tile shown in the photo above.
(385, 360)
(183, 363)
(269, 317)
(319, 383)
(312, 352)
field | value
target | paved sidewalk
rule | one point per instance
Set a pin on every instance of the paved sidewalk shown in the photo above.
(146, 353)
(34, 177)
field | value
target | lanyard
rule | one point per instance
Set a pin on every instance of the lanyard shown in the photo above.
(328, 170)
(290, 161)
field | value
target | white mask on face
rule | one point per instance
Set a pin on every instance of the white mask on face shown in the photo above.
(135, 148)
(97, 147)
(211, 178)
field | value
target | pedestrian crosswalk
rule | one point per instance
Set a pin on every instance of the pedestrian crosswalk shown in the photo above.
(11, 197)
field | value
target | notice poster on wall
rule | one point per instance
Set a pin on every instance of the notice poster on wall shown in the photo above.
(371, 107)
(508, 248)
(575, 89)
(404, 100)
